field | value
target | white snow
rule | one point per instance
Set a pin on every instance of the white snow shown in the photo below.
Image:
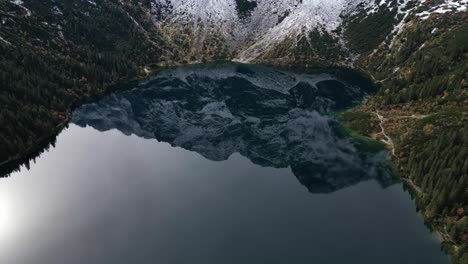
(445, 7)
(20, 4)
(323, 15)
(56, 11)
(273, 21)
(216, 109)
(5, 41)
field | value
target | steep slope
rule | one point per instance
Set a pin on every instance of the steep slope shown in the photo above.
(251, 30)
(213, 29)
(310, 21)
(290, 31)
(55, 54)
(313, 32)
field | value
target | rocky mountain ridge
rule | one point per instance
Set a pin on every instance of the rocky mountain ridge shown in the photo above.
(191, 31)
(264, 30)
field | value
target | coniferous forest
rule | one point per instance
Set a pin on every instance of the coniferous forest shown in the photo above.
(42, 76)
(423, 98)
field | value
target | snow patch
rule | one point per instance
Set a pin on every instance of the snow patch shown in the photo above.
(20, 3)
(322, 15)
(57, 11)
(5, 41)
(271, 22)
(445, 7)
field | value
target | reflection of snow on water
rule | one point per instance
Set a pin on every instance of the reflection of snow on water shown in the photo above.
(268, 116)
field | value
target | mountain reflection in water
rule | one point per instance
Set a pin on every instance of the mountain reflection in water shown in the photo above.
(273, 118)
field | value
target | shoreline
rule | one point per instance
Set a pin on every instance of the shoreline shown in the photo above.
(18, 161)
(435, 222)
(149, 70)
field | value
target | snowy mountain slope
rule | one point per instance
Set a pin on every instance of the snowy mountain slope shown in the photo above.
(249, 26)
(224, 25)
(271, 31)
(253, 30)
(322, 15)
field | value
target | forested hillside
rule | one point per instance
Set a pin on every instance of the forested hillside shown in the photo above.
(58, 57)
(423, 103)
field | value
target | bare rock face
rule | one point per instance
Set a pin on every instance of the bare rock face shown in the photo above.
(305, 32)
(247, 30)
(283, 32)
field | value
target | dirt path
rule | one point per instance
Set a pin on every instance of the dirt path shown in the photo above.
(441, 229)
(413, 185)
(388, 141)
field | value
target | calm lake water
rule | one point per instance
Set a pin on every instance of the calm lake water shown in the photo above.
(214, 164)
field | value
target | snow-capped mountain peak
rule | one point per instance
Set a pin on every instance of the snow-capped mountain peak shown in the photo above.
(250, 29)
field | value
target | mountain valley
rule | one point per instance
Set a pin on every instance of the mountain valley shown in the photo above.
(56, 55)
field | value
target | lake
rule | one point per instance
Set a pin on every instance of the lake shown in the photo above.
(214, 164)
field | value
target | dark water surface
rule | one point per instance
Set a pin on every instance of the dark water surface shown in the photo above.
(215, 164)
